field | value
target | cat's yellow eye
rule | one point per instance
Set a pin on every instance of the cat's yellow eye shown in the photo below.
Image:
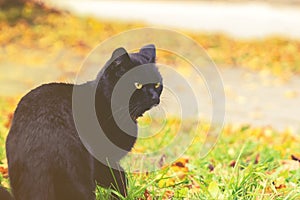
(157, 85)
(138, 85)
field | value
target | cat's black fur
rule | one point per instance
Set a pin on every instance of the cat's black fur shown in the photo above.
(46, 158)
(4, 194)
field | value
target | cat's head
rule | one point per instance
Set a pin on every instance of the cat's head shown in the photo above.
(146, 93)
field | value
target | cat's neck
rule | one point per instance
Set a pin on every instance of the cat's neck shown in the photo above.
(107, 121)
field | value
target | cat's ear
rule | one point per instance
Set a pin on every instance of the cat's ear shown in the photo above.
(150, 52)
(120, 61)
(120, 55)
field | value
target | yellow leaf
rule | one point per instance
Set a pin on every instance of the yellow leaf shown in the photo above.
(279, 183)
(213, 189)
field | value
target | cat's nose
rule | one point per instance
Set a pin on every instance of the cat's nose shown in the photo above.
(155, 98)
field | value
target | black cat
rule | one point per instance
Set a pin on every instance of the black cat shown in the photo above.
(46, 158)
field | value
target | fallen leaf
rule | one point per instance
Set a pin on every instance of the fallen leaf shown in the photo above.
(232, 163)
(211, 167)
(257, 157)
(181, 162)
(4, 172)
(195, 184)
(279, 183)
(169, 194)
(147, 195)
(162, 160)
(294, 157)
(9, 119)
(213, 189)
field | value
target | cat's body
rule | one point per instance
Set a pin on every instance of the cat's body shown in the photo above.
(46, 158)
(4, 194)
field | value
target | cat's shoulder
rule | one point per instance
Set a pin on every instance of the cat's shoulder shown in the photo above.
(46, 94)
(50, 90)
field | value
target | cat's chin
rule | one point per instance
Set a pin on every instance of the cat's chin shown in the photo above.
(154, 106)
(142, 114)
(135, 116)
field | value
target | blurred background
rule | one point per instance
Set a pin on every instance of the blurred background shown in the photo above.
(255, 44)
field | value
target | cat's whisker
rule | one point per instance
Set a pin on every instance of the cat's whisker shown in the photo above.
(162, 104)
(133, 111)
(167, 100)
(123, 115)
(123, 118)
(117, 111)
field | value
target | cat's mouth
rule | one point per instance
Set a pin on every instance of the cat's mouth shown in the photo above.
(154, 105)
(139, 112)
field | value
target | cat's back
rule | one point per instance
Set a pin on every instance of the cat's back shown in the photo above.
(43, 103)
(45, 97)
(43, 115)
(43, 146)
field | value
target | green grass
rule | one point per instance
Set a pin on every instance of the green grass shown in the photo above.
(262, 169)
(246, 163)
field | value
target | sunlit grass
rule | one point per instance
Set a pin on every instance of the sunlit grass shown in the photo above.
(246, 163)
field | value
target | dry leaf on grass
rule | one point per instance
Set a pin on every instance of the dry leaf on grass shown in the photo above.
(296, 158)
(4, 172)
(169, 194)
